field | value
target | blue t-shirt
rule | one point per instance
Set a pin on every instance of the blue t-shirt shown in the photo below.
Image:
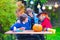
(19, 25)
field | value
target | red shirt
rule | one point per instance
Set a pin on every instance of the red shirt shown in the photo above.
(46, 23)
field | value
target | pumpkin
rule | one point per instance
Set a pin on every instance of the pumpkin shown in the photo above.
(37, 28)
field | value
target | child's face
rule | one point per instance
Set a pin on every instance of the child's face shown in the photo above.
(41, 17)
(26, 20)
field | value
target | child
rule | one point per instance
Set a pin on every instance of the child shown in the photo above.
(24, 22)
(32, 16)
(44, 21)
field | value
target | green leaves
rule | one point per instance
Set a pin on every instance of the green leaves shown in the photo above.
(7, 15)
(7, 10)
(43, 1)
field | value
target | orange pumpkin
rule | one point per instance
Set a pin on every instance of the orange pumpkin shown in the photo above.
(37, 28)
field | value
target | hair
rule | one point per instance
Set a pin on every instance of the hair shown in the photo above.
(45, 14)
(23, 17)
(28, 9)
(18, 11)
(20, 6)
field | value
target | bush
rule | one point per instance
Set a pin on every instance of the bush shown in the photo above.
(7, 15)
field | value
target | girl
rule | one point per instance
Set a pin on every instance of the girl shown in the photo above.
(20, 11)
(44, 21)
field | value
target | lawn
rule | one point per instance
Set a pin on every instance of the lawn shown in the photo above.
(55, 36)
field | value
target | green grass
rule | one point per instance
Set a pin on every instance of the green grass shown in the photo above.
(55, 36)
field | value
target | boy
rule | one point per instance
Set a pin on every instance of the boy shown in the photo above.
(24, 22)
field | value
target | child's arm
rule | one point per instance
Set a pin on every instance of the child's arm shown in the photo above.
(17, 25)
(48, 24)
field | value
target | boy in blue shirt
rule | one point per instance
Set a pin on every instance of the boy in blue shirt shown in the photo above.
(24, 22)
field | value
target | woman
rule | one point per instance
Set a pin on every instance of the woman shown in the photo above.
(44, 21)
(20, 11)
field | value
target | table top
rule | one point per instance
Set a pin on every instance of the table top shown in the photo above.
(28, 32)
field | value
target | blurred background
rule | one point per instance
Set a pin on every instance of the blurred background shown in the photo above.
(8, 15)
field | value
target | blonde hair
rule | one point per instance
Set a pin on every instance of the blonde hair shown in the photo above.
(20, 6)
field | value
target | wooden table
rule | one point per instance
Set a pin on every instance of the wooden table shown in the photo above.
(28, 32)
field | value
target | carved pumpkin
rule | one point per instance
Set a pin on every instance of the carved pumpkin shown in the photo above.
(37, 28)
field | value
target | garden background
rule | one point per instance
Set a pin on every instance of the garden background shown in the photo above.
(8, 17)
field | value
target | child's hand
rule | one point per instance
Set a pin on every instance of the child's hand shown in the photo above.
(22, 28)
